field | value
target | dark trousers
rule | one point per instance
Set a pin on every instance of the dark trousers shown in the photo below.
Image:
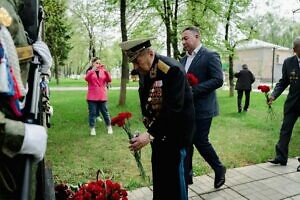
(282, 146)
(247, 99)
(168, 171)
(204, 147)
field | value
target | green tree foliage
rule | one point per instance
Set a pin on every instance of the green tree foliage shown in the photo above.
(57, 32)
(236, 31)
(95, 27)
(278, 30)
(168, 11)
(206, 15)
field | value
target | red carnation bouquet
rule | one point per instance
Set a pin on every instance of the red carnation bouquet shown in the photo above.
(94, 190)
(192, 79)
(266, 89)
(122, 120)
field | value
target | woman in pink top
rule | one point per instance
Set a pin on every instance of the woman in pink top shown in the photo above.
(97, 78)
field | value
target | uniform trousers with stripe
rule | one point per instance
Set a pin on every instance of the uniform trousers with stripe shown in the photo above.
(168, 171)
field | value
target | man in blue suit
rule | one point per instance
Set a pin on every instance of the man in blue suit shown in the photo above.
(206, 66)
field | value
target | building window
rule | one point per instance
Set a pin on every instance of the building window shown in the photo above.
(277, 59)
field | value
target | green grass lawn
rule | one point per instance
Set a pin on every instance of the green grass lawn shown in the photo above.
(239, 138)
(67, 82)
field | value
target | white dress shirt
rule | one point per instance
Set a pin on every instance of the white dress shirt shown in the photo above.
(190, 57)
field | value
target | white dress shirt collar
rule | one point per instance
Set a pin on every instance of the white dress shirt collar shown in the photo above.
(190, 57)
(195, 51)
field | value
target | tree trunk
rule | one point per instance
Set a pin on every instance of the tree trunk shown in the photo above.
(229, 49)
(92, 50)
(176, 52)
(125, 70)
(56, 69)
(231, 83)
(167, 23)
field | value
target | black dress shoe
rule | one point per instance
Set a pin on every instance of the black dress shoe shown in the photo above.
(278, 161)
(190, 181)
(220, 178)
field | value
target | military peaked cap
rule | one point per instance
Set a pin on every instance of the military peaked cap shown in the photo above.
(133, 48)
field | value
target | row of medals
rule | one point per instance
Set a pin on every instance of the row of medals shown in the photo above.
(293, 76)
(155, 97)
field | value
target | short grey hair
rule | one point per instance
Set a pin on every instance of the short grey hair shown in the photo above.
(296, 42)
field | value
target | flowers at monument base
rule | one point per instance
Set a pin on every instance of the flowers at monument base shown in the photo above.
(94, 190)
(100, 190)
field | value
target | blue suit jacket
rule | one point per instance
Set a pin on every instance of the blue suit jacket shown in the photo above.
(207, 67)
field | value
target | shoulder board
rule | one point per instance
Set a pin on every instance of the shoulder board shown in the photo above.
(163, 66)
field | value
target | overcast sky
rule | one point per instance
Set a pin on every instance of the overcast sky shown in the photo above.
(284, 8)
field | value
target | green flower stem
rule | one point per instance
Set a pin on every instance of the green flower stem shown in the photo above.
(137, 154)
(271, 113)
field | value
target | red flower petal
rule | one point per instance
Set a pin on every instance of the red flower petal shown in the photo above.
(192, 79)
(264, 88)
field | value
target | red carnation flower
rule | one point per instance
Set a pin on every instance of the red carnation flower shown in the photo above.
(264, 88)
(192, 79)
(100, 190)
(125, 115)
(122, 120)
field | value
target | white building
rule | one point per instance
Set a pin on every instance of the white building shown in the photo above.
(258, 55)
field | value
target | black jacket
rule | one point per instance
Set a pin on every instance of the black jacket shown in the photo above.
(290, 77)
(167, 102)
(245, 78)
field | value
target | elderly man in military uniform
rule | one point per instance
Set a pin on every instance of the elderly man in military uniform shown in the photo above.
(290, 77)
(167, 107)
(16, 137)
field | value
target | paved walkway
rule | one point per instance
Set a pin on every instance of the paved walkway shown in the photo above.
(258, 182)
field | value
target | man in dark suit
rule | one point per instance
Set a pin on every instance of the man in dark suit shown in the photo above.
(245, 78)
(290, 77)
(169, 116)
(205, 65)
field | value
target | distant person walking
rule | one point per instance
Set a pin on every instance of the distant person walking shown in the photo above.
(245, 78)
(97, 77)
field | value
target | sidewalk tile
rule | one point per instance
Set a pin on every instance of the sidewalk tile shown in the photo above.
(234, 177)
(278, 169)
(258, 191)
(225, 194)
(293, 198)
(293, 176)
(283, 185)
(203, 184)
(195, 198)
(140, 193)
(191, 193)
(255, 173)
